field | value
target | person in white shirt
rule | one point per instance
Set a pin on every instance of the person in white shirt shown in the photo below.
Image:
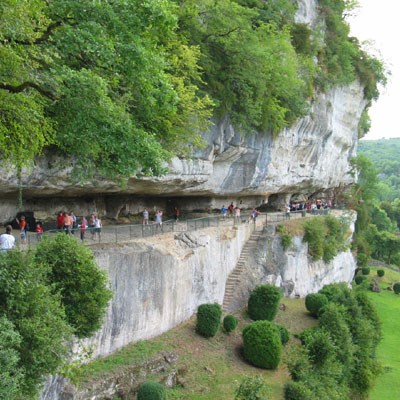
(7, 240)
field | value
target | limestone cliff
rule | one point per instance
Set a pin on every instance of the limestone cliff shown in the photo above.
(311, 156)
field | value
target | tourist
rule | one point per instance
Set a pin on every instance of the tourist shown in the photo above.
(254, 215)
(158, 218)
(22, 227)
(73, 221)
(230, 209)
(237, 214)
(7, 240)
(97, 228)
(83, 227)
(60, 220)
(287, 211)
(145, 217)
(39, 232)
(224, 211)
(67, 223)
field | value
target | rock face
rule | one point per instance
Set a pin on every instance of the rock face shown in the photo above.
(160, 282)
(311, 156)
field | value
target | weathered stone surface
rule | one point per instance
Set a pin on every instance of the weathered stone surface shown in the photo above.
(313, 155)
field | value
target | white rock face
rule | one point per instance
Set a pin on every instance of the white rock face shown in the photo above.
(160, 282)
(311, 156)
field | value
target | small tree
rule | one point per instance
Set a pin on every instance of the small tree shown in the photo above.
(264, 302)
(381, 272)
(230, 323)
(365, 270)
(396, 287)
(314, 302)
(297, 391)
(208, 319)
(262, 344)
(251, 388)
(82, 285)
(151, 391)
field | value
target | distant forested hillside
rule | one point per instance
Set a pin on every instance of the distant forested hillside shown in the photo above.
(385, 156)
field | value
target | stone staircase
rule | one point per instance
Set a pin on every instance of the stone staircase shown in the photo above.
(235, 276)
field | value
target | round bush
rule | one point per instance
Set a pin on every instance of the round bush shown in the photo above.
(359, 279)
(151, 391)
(208, 319)
(365, 270)
(230, 323)
(314, 302)
(283, 332)
(380, 272)
(396, 287)
(262, 345)
(264, 302)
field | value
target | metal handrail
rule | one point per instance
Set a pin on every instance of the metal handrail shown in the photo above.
(123, 233)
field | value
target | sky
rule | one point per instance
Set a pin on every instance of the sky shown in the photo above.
(378, 22)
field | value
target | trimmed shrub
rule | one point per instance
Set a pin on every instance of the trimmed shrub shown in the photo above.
(314, 302)
(365, 270)
(296, 391)
(359, 279)
(336, 292)
(151, 391)
(251, 388)
(264, 302)
(380, 272)
(396, 287)
(262, 345)
(230, 323)
(208, 319)
(283, 332)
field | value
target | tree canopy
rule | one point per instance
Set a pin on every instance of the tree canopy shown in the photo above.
(120, 86)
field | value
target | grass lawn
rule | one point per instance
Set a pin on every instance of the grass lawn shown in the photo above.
(388, 307)
(210, 369)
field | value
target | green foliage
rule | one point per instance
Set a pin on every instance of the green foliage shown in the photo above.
(396, 287)
(286, 240)
(74, 274)
(341, 58)
(250, 66)
(251, 388)
(34, 325)
(151, 391)
(359, 279)
(111, 83)
(11, 374)
(336, 360)
(264, 302)
(326, 236)
(283, 332)
(297, 391)
(365, 270)
(314, 302)
(262, 345)
(208, 319)
(362, 260)
(380, 272)
(230, 323)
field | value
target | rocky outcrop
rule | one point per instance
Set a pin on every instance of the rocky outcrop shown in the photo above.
(311, 156)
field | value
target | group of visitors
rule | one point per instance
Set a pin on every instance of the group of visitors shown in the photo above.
(68, 222)
(234, 212)
(310, 206)
(157, 217)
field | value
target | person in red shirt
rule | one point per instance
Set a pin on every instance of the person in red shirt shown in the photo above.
(60, 220)
(39, 232)
(22, 227)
